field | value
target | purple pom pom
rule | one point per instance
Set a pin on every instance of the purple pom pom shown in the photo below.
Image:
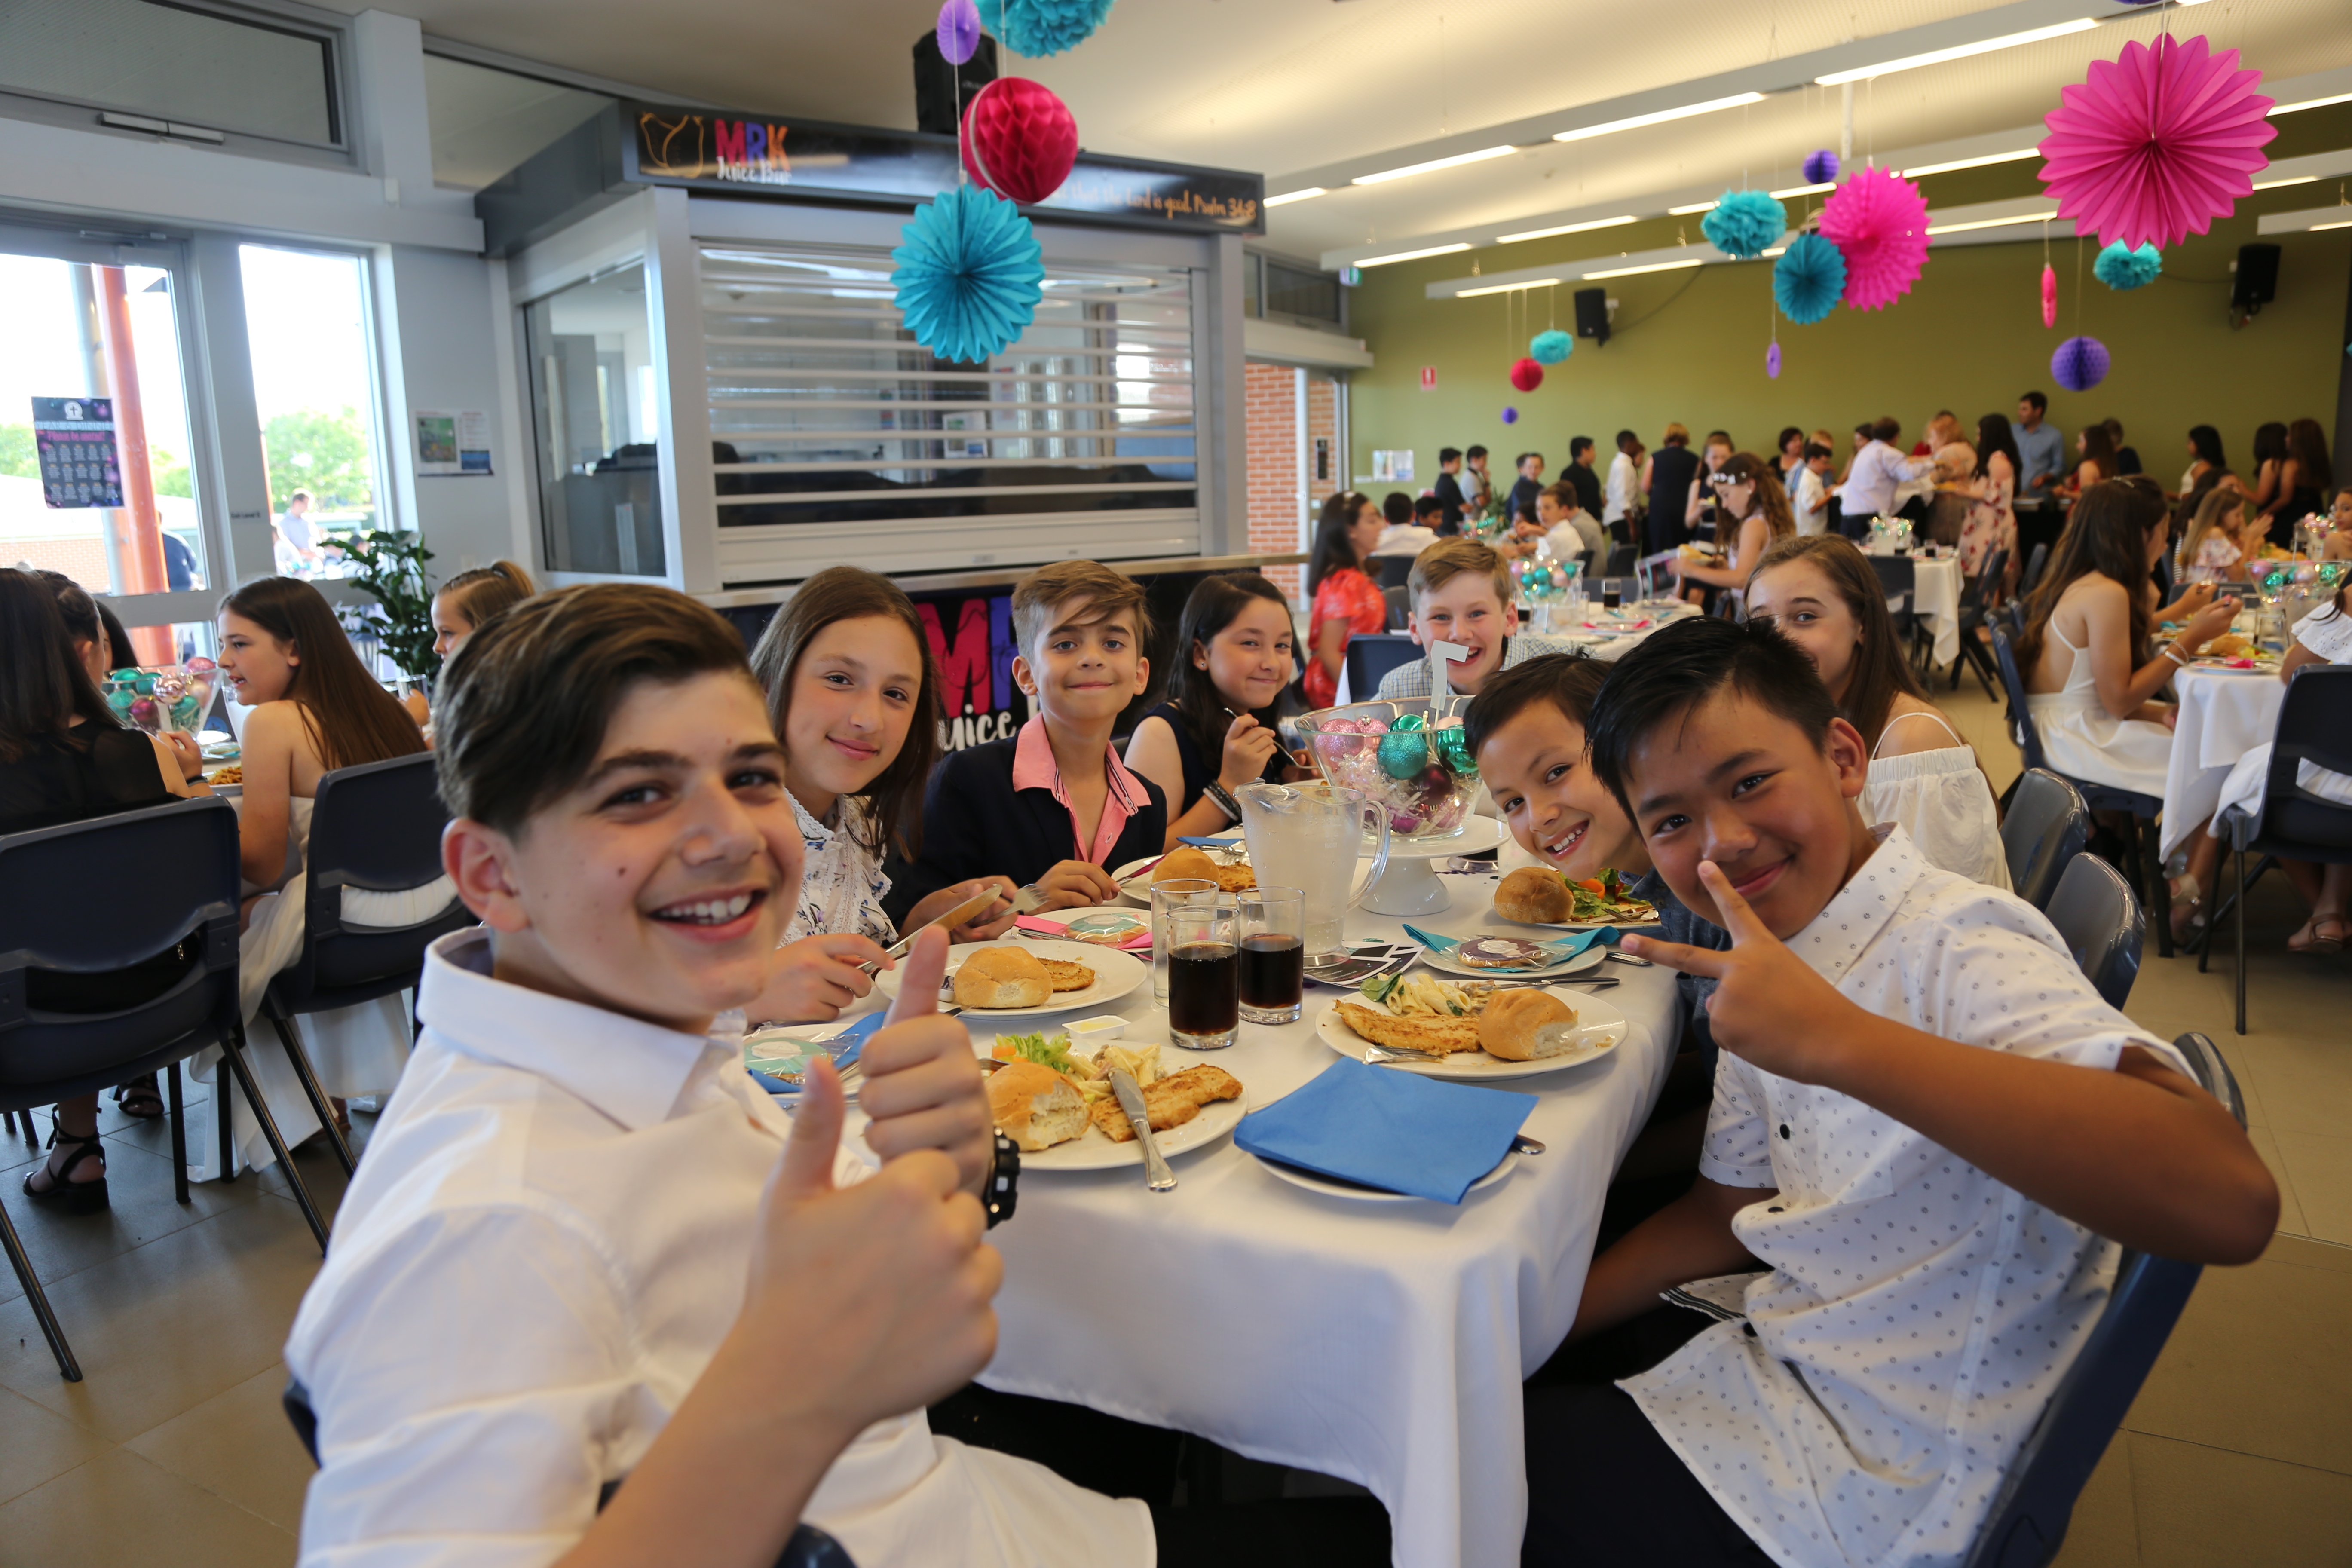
(1772, 361)
(2080, 363)
(1511, 416)
(1821, 167)
(959, 31)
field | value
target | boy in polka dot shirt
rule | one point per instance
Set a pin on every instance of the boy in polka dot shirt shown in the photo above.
(1926, 1126)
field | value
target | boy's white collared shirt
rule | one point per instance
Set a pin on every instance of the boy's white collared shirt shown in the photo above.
(1918, 1314)
(545, 1243)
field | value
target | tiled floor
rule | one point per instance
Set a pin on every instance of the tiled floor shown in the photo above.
(175, 1450)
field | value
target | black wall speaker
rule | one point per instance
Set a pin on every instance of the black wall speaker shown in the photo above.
(1593, 314)
(938, 109)
(2255, 283)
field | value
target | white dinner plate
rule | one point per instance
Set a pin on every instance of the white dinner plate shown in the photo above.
(1134, 879)
(1576, 964)
(1116, 975)
(1576, 925)
(1601, 1029)
(1338, 1187)
(1093, 1152)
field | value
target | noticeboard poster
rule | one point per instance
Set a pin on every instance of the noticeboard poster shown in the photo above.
(451, 442)
(74, 439)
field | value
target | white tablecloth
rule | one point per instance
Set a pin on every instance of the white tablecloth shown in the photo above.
(1610, 649)
(1383, 1343)
(2224, 714)
(1936, 596)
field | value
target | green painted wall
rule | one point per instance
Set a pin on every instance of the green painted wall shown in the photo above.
(1689, 345)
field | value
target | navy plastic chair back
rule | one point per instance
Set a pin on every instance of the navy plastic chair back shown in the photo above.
(375, 827)
(1622, 558)
(2020, 716)
(1370, 657)
(2046, 826)
(2314, 725)
(2099, 921)
(1399, 605)
(1394, 570)
(1899, 577)
(2030, 1512)
(2033, 565)
(103, 895)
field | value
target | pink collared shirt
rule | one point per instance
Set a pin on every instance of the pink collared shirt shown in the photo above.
(1034, 767)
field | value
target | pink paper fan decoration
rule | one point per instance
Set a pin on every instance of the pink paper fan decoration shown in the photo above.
(1878, 221)
(2049, 295)
(2156, 144)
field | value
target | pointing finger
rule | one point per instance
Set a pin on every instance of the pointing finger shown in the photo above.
(1674, 955)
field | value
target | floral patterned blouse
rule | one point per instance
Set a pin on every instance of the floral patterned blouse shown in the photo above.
(842, 885)
(1348, 596)
(2216, 558)
(1991, 523)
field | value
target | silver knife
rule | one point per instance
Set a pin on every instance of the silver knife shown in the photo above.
(1157, 1175)
(969, 909)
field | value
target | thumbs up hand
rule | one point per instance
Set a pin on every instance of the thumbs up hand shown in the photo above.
(923, 1087)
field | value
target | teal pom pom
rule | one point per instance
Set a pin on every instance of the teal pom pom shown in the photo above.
(1744, 224)
(1035, 27)
(970, 274)
(1551, 348)
(2122, 269)
(1809, 280)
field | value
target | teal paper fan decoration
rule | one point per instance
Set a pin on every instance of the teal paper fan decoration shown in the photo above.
(1809, 280)
(1744, 224)
(2121, 269)
(1551, 348)
(1037, 27)
(970, 274)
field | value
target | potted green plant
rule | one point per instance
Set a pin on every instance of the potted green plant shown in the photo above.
(391, 568)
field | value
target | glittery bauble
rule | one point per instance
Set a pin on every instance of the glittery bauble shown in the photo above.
(1454, 749)
(1019, 140)
(121, 698)
(1527, 375)
(1403, 752)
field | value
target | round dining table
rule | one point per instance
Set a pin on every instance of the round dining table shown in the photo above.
(1381, 1343)
(2224, 714)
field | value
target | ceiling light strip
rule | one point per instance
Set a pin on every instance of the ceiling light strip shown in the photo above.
(1958, 163)
(1412, 255)
(1455, 161)
(1504, 287)
(2291, 180)
(1653, 267)
(1289, 197)
(2278, 109)
(1634, 122)
(1794, 190)
(1693, 207)
(1935, 229)
(1957, 52)
(1564, 229)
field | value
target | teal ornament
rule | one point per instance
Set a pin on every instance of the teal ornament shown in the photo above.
(1809, 280)
(121, 698)
(1744, 224)
(970, 274)
(1403, 752)
(1035, 27)
(1551, 348)
(146, 684)
(1454, 751)
(2123, 270)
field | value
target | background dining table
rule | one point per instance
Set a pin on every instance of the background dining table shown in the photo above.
(1935, 599)
(2224, 714)
(1381, 1343)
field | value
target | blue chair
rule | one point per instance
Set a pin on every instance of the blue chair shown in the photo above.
(376, 827)
(1370, 656)
(1395, 569)
(2291, 823)
(2033, 565)
(2046, 826)
(808, 1547)
(1974, 617)
(97, 897)
(2100, 922)
(1899, 579)
(2030, 1512)
(2142, 860)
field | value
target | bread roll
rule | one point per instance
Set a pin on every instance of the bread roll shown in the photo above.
(1002, 977)
(1521, 1025)
(1035, 1106)
(1532, 893)
(1184, 860)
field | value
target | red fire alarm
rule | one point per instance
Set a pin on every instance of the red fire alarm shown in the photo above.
(1429, 378)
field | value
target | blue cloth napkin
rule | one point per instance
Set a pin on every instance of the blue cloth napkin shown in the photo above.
(1394, 1130)
(845, 1047)
(1565, 948)
(1227, 842)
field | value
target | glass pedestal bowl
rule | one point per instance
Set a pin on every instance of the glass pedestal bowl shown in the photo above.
(1408, 755)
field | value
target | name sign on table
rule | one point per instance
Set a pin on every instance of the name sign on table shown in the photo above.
(74, 439)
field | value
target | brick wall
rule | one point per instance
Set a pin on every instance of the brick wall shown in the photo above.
(1272, 426)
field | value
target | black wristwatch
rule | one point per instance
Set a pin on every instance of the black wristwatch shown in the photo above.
(1003, 1189)
(1223, 797)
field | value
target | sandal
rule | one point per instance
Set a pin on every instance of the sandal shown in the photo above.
(140, 1100)
(63, 1192)
(2188, 913)
(2320, 941)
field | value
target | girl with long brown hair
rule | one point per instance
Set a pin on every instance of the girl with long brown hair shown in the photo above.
(2305, 480)
(1236, 652)
(1825, 596)
(1754, 517)
(2098, 463)
(315, 707)
(854, 694)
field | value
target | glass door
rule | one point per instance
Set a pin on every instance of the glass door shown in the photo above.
(96, 445)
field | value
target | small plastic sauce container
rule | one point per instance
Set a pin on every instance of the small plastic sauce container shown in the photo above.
(1091, 1034)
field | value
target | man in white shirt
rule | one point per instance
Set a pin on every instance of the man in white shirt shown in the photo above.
(1878, 470)
(1811, 502)
(1926, 1124)
(1624, 488)
(570, 1260)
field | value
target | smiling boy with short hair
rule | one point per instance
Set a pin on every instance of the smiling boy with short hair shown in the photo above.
(1925, 1122)
(1461, 593)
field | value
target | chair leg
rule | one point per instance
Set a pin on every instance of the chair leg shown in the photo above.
(233, 1052)
(68, 1368)
(318, 1106)
(2242, 941)
(227, 1114)
(2157, 889)
(179, 1137)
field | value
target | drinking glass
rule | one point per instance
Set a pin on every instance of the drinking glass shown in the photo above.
(1166, 896)
(1613, 593)
(1273, 954)
(1204, 972)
